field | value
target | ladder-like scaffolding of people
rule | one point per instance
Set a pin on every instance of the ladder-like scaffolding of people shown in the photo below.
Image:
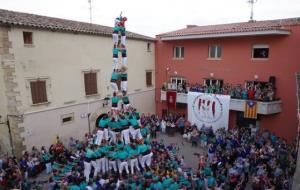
(118, 143)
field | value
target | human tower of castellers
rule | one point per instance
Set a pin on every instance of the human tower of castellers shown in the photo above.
(118, 145)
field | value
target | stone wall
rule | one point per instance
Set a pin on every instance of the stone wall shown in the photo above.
(12, 94)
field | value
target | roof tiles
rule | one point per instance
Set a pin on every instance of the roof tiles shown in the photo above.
(250, 26)
(12, 18)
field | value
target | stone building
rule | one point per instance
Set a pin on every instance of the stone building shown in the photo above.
(54, 78)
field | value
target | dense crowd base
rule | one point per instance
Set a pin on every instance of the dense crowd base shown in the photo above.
(234, 159)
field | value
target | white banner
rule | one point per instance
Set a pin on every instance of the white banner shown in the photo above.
(208, 109)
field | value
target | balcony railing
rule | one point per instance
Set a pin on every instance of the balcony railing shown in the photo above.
(264, 108)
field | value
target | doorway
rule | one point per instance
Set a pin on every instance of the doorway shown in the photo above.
(246, 122)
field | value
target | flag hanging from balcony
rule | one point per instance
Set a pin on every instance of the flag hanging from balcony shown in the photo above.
(171, 99)
(250, 109)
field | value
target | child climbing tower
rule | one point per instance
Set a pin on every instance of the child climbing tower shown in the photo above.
(119, 70)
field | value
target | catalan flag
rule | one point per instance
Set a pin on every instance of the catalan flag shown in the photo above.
(250, 109)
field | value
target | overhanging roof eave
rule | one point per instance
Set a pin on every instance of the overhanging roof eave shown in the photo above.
(223, 35)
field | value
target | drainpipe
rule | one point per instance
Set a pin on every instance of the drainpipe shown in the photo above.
(10, 136)
(89, 123)
(9, 133)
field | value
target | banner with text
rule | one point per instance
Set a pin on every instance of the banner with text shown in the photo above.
(208, 109)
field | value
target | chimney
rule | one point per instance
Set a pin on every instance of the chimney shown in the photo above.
(191, 26)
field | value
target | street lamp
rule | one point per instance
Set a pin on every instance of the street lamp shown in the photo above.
(106, 100)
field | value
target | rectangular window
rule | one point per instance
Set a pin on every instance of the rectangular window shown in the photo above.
(213, 82)
(67, 118)
(260, 52)
(148, 78)
(148, 46)
(38, 92)
(178, 83)
(90, 83)
(27, 37)
(178, 52)
(215, 51)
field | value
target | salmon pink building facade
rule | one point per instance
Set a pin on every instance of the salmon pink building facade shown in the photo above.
(238, 56)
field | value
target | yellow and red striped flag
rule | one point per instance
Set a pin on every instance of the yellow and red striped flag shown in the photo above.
(250, 109)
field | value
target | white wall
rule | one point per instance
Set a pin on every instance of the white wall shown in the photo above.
(42, 127)
(62, 57)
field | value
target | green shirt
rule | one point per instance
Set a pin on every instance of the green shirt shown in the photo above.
(211, 181)
(125, 100)
(103, 122)
(112, 154)
(144, 131)
(142, 148)
(123, 122)
(98, 152)
(133, 122)
(115, 76)
(136, 115)
(74, 187)
(46, 157)
(115, 51)
(174, 186)
(166, 182)
(122, 155)
(132, 152)
(89, 153)
(115, 100)
(158, 186)
(123, 75)
(113, 125)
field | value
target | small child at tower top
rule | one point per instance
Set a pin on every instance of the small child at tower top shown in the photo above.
(119, 28)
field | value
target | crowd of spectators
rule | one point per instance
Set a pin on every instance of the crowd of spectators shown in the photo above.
(258, 91)
(15, 173)
(242, 156)
(233, 160)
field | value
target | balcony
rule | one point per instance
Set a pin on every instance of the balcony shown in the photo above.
(264, 108)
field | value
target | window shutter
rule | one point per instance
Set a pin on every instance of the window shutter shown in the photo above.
(38, 92)
(149, 78)
(182, 52)
(219, 52)
(90, 83)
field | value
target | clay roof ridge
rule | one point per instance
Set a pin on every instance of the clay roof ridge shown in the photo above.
(8, 17)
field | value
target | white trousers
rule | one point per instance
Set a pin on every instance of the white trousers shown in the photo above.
(87, 170)
(134, 163)
(124, 61)
(125, 136)
(115, 63)
(115, 38)
(99, 137)
(136, 133)
(96, 168)
(126, 107)
(124, 85)
(113, 136)
(146, 160)
(123, 40)
(48, 168)
(105, 134)
(114, 86)
(103, 164)
(123, 165)
(112, 165)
